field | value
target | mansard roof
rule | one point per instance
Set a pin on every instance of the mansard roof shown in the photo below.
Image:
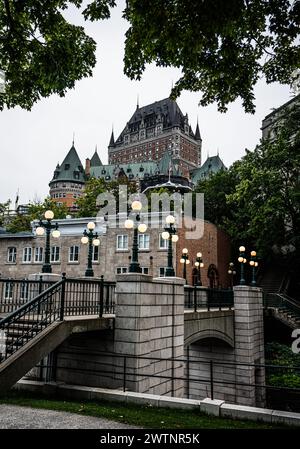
(71, 168)
(134, 170)
(164, 111)
(212, 165)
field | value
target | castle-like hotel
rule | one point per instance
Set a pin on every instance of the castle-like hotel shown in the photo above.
(157, 145)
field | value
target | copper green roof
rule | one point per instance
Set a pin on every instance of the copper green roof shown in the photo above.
(95, 161)
(71, 169)
(211, 165)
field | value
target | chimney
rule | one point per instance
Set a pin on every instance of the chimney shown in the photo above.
(87, 167)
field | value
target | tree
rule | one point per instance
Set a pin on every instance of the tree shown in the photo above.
(87, 204)
(4, 207)
(22, 222)
(222, 47)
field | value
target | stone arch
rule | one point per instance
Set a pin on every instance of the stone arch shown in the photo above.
(208, 334)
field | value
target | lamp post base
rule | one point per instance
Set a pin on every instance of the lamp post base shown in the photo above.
(134, 267)
(170, 272)
(46, 268)
(89, 272)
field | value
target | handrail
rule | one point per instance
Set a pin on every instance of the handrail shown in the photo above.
(28, 304)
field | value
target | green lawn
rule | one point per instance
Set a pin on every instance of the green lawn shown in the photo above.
(143, 416)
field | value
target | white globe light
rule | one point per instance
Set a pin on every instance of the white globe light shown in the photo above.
(40, 231)
(245, 260)
(197, 264)
(242, 249)
(181, 260)
(49, 215)
(84, 240)
(136, 205)
(175, 238)
(252, 263)
(187, 261)
(185, 250)
(56, 233)
(96, 242)
(199, 254)
(201, 265)
(91, 226)
(253, 253)
(165, 235)
(241, 259)
(170, 219)
(229, 272)
(128, 224)
(256, 264)
(142, 227)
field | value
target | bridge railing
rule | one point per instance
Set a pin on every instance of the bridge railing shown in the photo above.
(196, 298)
(67, 297)
(16, 292)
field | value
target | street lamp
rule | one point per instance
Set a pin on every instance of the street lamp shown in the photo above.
(185, 261)
(170, 235)
(40, 230)
(242, 260)
(254, 264)
(136, 207)
(90, 238)
(231, 272)
(199, 264)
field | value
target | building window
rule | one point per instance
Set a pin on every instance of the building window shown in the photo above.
(163, 244)
(144, 241)
(8, 292)
(27, 254)
(95, 256)
(55, 254)
(74, 253)
(12, 254)
(121, 270)
(122, 242)
(145, 270)
(38, 255)
(162, 272)
(24, 293)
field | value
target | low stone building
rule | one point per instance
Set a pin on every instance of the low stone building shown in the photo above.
(22, 254)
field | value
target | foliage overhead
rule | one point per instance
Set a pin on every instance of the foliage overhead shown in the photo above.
(222, 47)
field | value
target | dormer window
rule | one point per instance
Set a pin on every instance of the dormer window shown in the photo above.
(141, 169)
(128, 170)
(103, 172)
(107, 178)
(67, 166)
(131, 176)
(76, 175)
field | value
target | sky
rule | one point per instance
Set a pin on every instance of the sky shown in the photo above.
(33, 142)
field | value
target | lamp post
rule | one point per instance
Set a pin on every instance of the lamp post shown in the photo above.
(254, 264)
(242, 260)
(136, 207)
(185, 261)
(90, 238)
(231, 272)
(40, 230)
(199, 264)
(170, 235)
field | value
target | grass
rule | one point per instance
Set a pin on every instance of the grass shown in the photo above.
(142, 416)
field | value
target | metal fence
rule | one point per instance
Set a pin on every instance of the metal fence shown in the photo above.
(196, 298)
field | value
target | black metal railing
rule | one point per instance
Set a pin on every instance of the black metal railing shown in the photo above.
(207, 298)
(15, 293)
(68, 297)
(283, 303)
(202, 377)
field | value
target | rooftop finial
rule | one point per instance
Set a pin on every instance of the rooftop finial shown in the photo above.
(96, 148)
(138, 101)
(73, 138)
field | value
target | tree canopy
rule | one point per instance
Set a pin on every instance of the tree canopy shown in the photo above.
(222, 47)
(257, 201)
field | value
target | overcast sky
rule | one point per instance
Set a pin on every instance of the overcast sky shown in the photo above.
(32, 143)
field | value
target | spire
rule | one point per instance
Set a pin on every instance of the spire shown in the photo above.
(73, 139)
(112, 139)
(137, 101)
(197, 132)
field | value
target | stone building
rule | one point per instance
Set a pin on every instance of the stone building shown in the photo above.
(272, 121)
(22, 254)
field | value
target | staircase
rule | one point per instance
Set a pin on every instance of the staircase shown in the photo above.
(283, 308)
(273, 280)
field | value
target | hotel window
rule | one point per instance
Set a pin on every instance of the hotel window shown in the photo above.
(55, 254)
(121, 270)
(12, 254)
(27, 254)
(8, 292)
(122, 241)
(163, 244)
(162, 272)
(74, 253)
(145, 270)
(38, 255)
(144, 241)
(24, 293)
(95, 256)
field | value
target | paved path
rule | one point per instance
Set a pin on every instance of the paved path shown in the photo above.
(15, 417)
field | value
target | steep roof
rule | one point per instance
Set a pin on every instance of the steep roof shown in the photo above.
(95, 160)
(212, 165)
(134, 170)
(71, 168)
(166, 163)
(164, 111)
(197, 133)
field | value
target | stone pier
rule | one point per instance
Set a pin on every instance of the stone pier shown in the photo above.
(150, 324)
